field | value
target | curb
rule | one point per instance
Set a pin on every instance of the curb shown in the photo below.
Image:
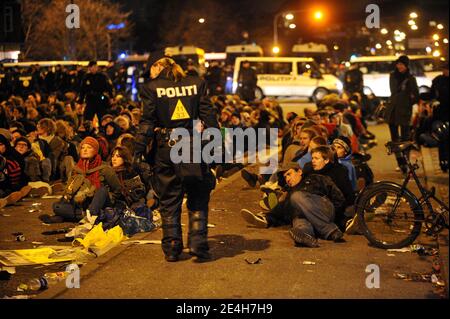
(442, 238)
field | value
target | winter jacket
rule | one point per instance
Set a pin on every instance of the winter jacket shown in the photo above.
(404, 94)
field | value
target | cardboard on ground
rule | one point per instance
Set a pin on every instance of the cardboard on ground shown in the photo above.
(25, 257)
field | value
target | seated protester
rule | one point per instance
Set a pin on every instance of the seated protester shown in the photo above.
(89, 187)
(64, 131)
(322, 163)
(315, 142)
(343, 149)
(124, 124)
(13, 181)
(42, 150)
(112, 133)
(16, 134)
(20, 115)
(32, 169)
(310, 207)
(129, 116)
(87, 129)
(46, 130)
(133, 190)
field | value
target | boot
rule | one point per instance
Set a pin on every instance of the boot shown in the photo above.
(198, 235)
(172, 243)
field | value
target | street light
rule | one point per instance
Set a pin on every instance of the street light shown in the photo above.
(445, 41)
(436, 53)
(276, 49)
(389, 42)
(428, 49)
(201, 20)
(292, 26)
(413, 15)
(318, 15)
(435, 37)
(384, 31)
(414, 27)
(411, 22)
(289, 16)
(378, 46)
(440, 26)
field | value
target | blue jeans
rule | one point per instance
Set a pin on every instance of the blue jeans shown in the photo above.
(100, 201)
(312, 214)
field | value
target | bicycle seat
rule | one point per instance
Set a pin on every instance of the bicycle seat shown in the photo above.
(398, 147)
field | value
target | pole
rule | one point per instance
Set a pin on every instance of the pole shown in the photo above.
(275, 28)
(108, 37)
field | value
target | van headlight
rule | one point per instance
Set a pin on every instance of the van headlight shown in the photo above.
(339, 86)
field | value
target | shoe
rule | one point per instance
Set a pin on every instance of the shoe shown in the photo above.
(269, 187)
(255, 220)
(47, 219)
(337, 236)
(171, 258)
(39, 192)
(57, 188)
(302, 238)
(250, 178)
(200, 254)
(352, 227)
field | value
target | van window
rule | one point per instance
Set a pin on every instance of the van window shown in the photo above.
(271, 67)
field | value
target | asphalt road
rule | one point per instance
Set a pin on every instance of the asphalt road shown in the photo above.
(140, 271)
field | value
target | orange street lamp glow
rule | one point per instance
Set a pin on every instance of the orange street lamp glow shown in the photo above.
(435, 37)
(318, 15)
(276, 50)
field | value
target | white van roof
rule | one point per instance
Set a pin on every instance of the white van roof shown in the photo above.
(310, 47)
(182, 50)
(275, 59)
(52, 63)
(244, 48)
(388, 58)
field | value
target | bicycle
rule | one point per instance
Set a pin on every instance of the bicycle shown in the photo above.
(391, 216)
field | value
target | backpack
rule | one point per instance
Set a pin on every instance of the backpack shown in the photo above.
(79, 187)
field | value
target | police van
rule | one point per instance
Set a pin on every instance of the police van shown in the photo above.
(241, 50)
(184, 54)
(289, 76)
(376, 71)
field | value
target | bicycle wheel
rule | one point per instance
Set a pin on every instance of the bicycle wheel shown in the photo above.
(389, 216)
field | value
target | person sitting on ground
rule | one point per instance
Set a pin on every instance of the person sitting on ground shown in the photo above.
(315, 142)
(343, 149)
(323, 163)
(309, 207)
(112, 133)
(13, 185)
(93, 186)
(46, 130)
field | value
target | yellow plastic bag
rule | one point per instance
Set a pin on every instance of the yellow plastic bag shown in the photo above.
(99, 241)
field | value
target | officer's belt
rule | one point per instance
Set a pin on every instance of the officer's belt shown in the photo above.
(163, 135)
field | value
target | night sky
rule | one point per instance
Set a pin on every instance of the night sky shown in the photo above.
(256, 16)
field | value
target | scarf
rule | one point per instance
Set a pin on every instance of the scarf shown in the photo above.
(86, 164)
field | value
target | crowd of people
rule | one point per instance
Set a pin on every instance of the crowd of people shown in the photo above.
(53, 139)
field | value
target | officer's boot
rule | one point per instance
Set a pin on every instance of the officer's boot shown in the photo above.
(172, 243)
(198, 235)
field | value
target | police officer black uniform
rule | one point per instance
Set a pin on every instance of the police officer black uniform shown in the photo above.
(97, 88)
(173, 100)
(247, 82)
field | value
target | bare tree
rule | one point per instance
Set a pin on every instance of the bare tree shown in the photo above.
(51, 38)
(31, 13)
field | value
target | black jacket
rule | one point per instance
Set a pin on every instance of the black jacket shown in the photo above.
(170, 104)
(339, 175)
(94, 85)
(311, 183)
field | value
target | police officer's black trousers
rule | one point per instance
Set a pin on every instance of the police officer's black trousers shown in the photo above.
(96, 104)
(172, 186)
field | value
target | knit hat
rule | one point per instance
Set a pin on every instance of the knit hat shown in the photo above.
(345, 143)
(403, 59)
(22, 139)
(92, 142)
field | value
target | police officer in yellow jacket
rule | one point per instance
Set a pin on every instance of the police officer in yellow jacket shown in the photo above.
(172, 100)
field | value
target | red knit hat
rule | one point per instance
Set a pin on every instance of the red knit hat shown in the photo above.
(92, 142)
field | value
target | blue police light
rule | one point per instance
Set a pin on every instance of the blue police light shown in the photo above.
(113, 26)
(354, 56)
(122, 56)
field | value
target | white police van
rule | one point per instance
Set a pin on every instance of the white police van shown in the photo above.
(376, 70)
(288, 76)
